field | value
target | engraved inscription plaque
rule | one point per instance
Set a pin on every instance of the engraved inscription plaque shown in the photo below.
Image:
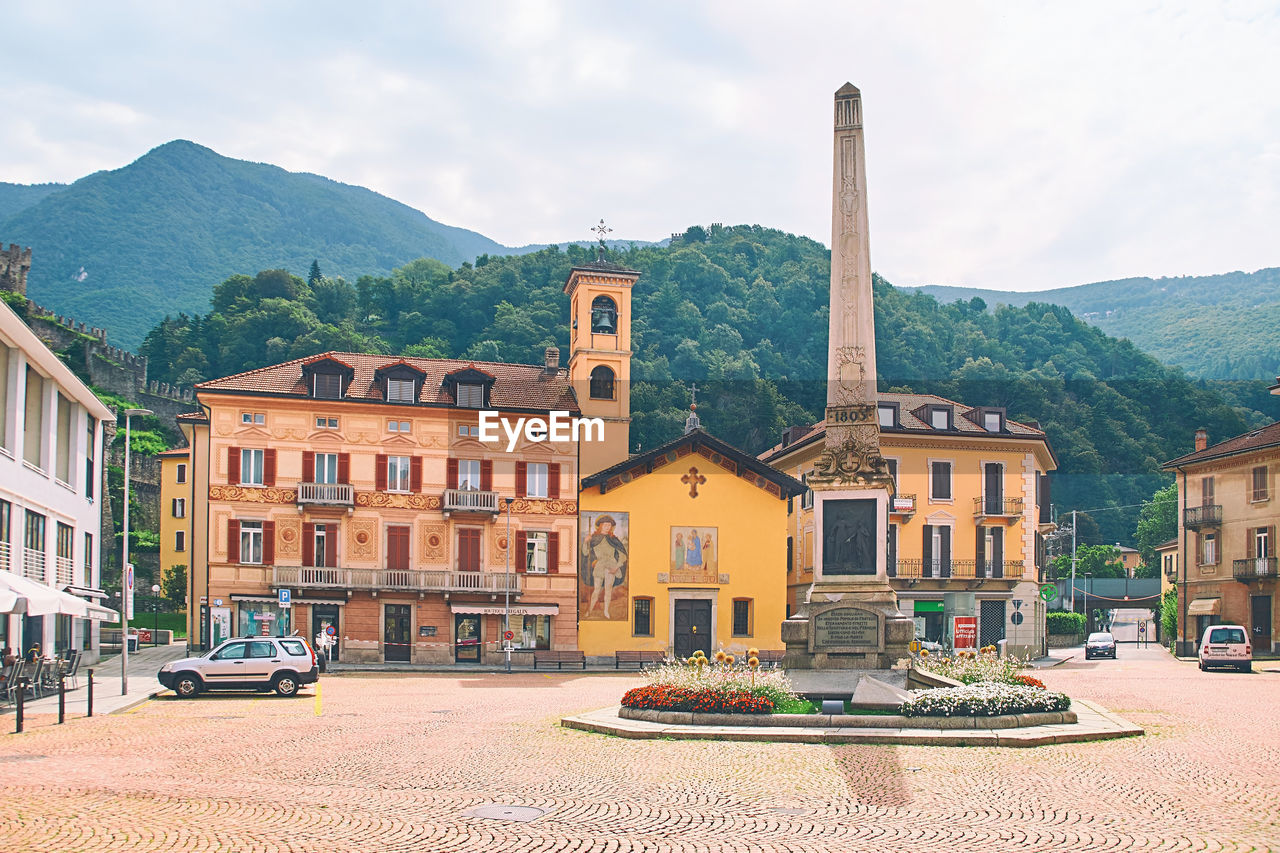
(846, 627)
(849, 537)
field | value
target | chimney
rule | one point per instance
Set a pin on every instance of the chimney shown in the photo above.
(552, 359)
(1202, 439)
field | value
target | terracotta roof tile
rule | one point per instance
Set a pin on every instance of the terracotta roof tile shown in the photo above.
(1267, 436)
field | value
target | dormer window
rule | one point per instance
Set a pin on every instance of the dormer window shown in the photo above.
(887, 415)
(940, 417)
(470, 387)
(400, 381)
(400, 390)
(470, 396)
(327, 378)
(993, 420)
(604, 316)
(326, 386)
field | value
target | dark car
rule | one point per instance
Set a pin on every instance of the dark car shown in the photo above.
(282, 664)
(1100, 645)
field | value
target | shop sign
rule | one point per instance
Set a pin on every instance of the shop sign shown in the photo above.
(964, 632)
(423, 630)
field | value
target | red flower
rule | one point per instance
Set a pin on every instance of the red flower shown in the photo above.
(667, 698)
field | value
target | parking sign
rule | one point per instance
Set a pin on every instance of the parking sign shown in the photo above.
(286, 599)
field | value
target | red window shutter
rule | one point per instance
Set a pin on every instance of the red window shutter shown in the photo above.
(344, 467)
(268, 543)
(486, 475)
(380, 473)
(308, 467)
(308, 544)
(522, 479)
(415, 474)
(269, 467)
(233, 466)
(522, 548)
(233, 541)
(451, 474)
(553, 481)
(553, 552)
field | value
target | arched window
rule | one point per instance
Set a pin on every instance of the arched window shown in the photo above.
(602, 383)
(604, 316)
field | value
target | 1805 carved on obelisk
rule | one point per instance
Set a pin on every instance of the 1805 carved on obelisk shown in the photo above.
(850, 618)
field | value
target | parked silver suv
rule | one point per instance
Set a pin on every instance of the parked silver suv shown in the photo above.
(282, 664)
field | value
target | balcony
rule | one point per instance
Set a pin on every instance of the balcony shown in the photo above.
(962, 570)
(903, 505)
(326, 494)
(1209, 515)
(993, 507)
(416, 580)
(65, 571)
(33, 564)
(6, 557)
(1254, 568)
(470, 500)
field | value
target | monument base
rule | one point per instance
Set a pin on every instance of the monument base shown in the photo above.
(848, 624)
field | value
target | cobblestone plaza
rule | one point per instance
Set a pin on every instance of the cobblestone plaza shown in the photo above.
(394, 763)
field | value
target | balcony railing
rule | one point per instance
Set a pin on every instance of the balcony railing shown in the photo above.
(423, 580)
(326, 494)
(903, 505)
(470, 500)
(989, 569)
(939, 569)
(1202, 516)
(64, 570)
(1003, 507)
(33, 564)
(6, 556)
(1254, 568)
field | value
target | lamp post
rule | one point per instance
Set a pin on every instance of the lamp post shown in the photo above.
(155, 609)
(126, 599)
(506, 618)
(1088, 580)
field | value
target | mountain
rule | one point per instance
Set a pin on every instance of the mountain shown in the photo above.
(743, 312)
(121, 249)
(1216, 327)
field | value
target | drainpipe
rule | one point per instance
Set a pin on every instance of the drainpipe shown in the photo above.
(1186, 569)
(204, 626)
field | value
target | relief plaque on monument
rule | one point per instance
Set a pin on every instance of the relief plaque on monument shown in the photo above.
(846, 627)
(849, 537)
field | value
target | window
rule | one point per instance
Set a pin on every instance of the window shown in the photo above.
(182, 472)
(992, 421)
(323, 542)
(940, 417)
(400, 390)
(256, 418)
(1261, 542)
(469, 474)
(642, 623)
(234, 651)
(65, 551)
(893, 471)
(251, 542)
(888, 416)
(251, 467)
(791, 556)
(601, 383)
(33, 534)
(326, 468)
(1260, 492)
(1206, 491)
(940, 481)
(180, 540)
(5, 509)
(326, 386)
(742, 617)
(1209, 549)
(604, 316)
(403, 427)
(397, 473)
(470, 396)
(88, 559)
(62, 448)
(535, 552)
(33, 442)
(469, 549)
(536, 480)
(468, 431)
(532, 632)
(89, 470)
(326, 423)
(179, 507)
(806, 500)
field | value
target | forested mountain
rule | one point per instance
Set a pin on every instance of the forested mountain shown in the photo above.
(743, 311)
(122, 248)
(1216, 327)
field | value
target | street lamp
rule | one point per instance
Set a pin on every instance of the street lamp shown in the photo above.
(506, 618)
(126, 587)
(1088, 580)
(155, 608)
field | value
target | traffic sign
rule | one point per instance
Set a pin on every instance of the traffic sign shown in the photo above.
(286, 598)
(1048, 592)
(330, 630)
(1142, 627)
(1016, 618)
(128, 592)
(508, 635)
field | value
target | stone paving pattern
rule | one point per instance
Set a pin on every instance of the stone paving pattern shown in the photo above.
(394, 762)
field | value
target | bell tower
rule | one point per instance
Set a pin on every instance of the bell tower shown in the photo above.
(600, 356)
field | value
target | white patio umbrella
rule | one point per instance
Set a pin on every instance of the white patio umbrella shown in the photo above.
(32, 598)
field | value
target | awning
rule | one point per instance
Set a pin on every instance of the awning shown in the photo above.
(516, 609)
(1204, 607)
(86, 592)
(267, 599)
(24, 595)
(98, 613)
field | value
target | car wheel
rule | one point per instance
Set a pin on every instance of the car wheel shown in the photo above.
(1246, 667)
(1202, 666)
(186, 686)
(286, 685)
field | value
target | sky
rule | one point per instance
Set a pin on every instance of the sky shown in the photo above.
(1010, 145)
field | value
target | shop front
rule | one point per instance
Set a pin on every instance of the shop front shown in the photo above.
(531, 627)
(262, 617)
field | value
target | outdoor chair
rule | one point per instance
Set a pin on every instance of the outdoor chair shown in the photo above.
(16, 674)
(74, 667)
(34, 674)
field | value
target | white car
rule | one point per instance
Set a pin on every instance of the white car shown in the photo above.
(1226, 645)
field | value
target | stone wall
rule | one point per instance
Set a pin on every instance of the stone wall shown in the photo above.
(15, 263)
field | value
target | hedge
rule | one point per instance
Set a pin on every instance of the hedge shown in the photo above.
(1065, 622)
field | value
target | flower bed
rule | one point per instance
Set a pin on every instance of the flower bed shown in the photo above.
(969, 667)
(983, 699)
(658, 697)
(721, 684)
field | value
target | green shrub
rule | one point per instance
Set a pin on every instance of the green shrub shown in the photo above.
(1169, 614)
(1065, 622)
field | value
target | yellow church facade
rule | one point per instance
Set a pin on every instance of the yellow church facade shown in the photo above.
(679, 549)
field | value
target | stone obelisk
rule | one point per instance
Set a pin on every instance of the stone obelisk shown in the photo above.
(851, 618)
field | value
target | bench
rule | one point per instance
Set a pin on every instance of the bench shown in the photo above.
(640, 658)
(559, 657)
(770, 656)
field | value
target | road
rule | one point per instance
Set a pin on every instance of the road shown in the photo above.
(394, 763)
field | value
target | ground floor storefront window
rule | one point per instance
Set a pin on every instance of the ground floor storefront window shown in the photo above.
(263, 619)
(532, 632)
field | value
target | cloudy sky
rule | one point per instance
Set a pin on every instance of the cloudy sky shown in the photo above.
(1011, 145)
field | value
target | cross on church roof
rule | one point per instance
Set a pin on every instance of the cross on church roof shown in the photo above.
(601, 230)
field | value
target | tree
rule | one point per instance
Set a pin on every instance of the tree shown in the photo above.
(1102, 561)
(314, 276)
(1157, 524)
(174, 586)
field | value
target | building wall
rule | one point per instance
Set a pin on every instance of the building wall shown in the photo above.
(751, 545)
(172, 489)
(589, 350)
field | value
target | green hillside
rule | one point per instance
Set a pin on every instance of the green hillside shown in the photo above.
(1216, 327)
(743, 311)
(154, 236)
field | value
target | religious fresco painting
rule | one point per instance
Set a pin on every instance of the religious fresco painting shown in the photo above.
(695, 553)
(603, 567)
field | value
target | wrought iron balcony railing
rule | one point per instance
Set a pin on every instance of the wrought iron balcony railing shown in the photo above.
(1254, 568)
(1208, 515)
(993, 506)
